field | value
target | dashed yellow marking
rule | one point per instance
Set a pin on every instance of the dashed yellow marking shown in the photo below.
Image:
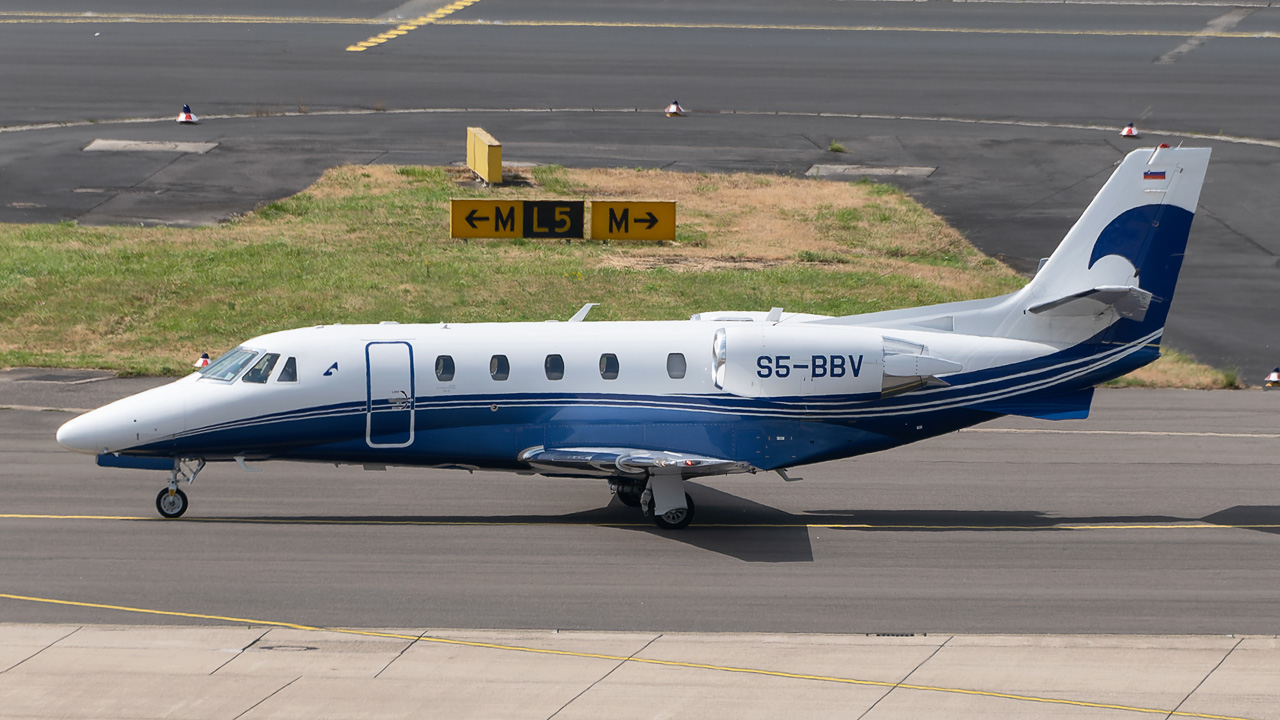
(638, 660)
(862, 28)
(409, 25)
(553, 523)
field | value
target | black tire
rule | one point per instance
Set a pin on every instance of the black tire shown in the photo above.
(171, 507)
(676, 519)
(630, 499)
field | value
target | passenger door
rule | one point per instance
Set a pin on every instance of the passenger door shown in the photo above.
(390, 400)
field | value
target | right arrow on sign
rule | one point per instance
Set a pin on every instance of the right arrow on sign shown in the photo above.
(649, 220)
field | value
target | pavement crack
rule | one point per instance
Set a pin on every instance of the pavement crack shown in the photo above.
(1216, 26)
(1254, 243)
(602, 678)
(46, 647)
(241, 651)
(905, 677)
(400, 654)
(1203, 680)
(273, 694)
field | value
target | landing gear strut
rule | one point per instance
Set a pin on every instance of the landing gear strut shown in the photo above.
(628, 492)
(662, 501)
(172, 502)
(677, 519)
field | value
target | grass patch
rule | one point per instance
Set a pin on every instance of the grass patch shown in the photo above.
(370, 243)
(1176, 369)
(836, 147)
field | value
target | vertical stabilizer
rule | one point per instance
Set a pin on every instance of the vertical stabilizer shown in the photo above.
(1113, 276)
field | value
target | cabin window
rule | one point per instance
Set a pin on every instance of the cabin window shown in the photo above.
(444, 368)
(261, 370)
(676, 366)
(609, 366)
(290, 371)
(229, 366)
(554, 366)
(499, 368)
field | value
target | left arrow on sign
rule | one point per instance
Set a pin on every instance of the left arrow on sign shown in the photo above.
(471, 219)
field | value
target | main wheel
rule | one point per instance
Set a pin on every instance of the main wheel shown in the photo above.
(674, 519)
(171, 506)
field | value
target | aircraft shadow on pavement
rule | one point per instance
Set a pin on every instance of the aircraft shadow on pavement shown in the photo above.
(752, 532)
(1263, 518)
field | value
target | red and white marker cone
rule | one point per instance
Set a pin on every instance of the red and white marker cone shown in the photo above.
(203, 362)
(1273, 380)
(1130, 131)
(186, 116)
(674, 109)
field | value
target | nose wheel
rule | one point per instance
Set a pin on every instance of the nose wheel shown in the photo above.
(171, 502)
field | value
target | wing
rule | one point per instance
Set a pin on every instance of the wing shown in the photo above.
(626, 462)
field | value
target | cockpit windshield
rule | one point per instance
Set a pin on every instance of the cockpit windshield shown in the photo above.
(229, 366)
(262, 369)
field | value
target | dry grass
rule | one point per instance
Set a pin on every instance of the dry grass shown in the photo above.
(370, 243)
(1178, 370)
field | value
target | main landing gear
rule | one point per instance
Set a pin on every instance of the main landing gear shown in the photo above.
(172, 502)
(661, 499)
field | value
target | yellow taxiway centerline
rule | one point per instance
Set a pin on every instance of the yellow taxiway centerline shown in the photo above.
(630, 659)
(863, 28)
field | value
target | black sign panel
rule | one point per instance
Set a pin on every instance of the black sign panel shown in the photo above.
(553, 218)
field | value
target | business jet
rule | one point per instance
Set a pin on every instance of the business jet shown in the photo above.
(646, 406)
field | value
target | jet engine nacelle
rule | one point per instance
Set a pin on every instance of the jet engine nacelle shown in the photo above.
(770, 360)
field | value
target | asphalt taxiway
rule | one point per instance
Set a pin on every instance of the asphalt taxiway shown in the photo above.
(1158, 515)
(1015, 105)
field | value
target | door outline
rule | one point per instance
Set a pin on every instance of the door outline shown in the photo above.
(406, 405)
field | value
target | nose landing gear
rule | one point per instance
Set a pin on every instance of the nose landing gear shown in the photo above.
(172, 502)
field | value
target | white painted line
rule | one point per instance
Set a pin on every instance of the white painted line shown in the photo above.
(1151, 433)
(1234, 139)
(101, 145)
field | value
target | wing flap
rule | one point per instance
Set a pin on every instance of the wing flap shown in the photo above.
(633, 462)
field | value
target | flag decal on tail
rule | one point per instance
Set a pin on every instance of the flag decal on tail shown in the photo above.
(1153, 175)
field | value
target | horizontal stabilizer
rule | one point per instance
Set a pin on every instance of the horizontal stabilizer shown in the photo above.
(614, 462)
(1066, 406)
(1130, 302)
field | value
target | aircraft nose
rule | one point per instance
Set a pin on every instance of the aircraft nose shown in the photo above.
(82, 434)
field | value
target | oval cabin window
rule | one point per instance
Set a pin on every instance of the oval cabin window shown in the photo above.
(444, 368)
(609, 366)
(499, 368)
(676, 366)
(554, 366)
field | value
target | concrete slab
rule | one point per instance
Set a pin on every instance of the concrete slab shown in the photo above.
(654, 691)
(132, 696)
(13, 634)
(856, 657)
(101, 145)
(853, 172)
(463, 664)
(1146, 672)
(482, 697)
(1245, 684)
(284, 652)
